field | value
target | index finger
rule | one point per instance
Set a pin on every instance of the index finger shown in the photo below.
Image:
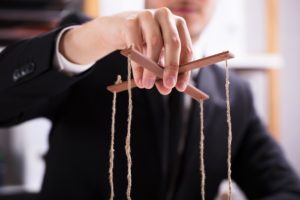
(172, 46)
(186, 53)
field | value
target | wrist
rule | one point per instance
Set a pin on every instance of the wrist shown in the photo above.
(89, 42)
(70, 46)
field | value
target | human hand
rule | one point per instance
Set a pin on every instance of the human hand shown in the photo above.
(157, 33)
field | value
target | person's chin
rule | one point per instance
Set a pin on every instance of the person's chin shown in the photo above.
(195, 29)
(193, 21)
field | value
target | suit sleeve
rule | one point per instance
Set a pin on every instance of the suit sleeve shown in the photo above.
(260, 168)
(28, 80)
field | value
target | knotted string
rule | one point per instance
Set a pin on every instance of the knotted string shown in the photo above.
(112, 143)
(127, 140)
(128, 136)
(201, 145)
(201, 148)
(229, 133)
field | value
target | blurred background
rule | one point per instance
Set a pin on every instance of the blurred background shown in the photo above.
(263, 34)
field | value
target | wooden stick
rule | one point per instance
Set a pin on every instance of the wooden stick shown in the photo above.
(156, 69)
(200, 63)
(206, 61)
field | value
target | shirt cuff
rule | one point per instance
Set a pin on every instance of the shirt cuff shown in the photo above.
(63, 64)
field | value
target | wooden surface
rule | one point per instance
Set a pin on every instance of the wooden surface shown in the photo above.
(91, 7)
(273, 74)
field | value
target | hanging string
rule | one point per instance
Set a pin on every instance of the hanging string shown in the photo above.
(201, 145)
(201, 148)
(112, 143)
(229, 133)
(128, 136)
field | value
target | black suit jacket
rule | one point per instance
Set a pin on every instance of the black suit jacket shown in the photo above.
(165, 160)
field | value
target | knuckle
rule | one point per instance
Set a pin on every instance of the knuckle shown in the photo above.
(187, 51)
(130, 22)
(172, 68)
(181, 21)
(146, 14)
(165, 11)
(175, 41)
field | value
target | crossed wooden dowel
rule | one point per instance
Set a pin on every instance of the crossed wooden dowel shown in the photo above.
(158, 70)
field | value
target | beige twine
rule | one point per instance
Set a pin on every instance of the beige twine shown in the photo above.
(128, 136)
(112, 143)
(229, 133)
(202, 166)
(201, 145)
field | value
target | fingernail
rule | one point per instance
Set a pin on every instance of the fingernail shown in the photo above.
(182, 86)
(139, 83)
(171, 81)
(149, 83)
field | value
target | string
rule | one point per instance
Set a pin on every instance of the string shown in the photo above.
(201, 147)
(229, 133)
(128, 136)
(112, 143)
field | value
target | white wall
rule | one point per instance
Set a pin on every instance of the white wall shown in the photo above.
(289, 16)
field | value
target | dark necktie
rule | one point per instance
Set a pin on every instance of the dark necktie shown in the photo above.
(179, 129)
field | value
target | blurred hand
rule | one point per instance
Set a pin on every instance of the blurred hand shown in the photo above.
(157, 33)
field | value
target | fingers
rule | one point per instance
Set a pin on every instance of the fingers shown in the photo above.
(154, 43)
(134, 39)
(143, 33)
(172, 47)
(159, 34)
(178, 50)
(186, 53)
